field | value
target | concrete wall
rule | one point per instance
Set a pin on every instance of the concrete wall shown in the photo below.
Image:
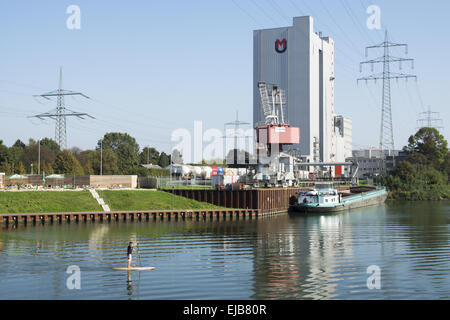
(113, 181)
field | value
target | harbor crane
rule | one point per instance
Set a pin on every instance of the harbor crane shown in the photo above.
(277, 167)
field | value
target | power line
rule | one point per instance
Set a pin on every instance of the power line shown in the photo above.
(338, 25)
(337, 49)
(354, 19)
(264, 11)
(320, 22)
(279, 10)
(246, 12)
(22, 84)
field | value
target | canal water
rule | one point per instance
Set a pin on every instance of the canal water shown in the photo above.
(405, 246)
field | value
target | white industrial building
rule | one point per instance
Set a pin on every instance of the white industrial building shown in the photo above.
(343, 134)
(301, 62)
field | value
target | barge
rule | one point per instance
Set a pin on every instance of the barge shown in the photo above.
(323, 198)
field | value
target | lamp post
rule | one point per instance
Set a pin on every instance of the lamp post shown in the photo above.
(39, 156)
(170, 177)
(101, 157)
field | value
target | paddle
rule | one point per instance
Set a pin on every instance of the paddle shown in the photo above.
(139, 254)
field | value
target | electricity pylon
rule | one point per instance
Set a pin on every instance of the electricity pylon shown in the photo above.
(429, 119)
(61, 112)
(237, 124)
(386, 130)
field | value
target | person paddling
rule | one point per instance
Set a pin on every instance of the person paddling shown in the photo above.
(129, 253)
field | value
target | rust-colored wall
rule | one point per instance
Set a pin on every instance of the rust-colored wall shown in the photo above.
(266, 200)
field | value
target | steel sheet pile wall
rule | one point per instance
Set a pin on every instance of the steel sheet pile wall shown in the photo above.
(264, 200)
(147, 182)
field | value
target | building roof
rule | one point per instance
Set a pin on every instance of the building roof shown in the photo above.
(151, 166)
(17, 176)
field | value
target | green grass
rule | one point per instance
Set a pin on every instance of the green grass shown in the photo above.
(149, 200)
(47, 201)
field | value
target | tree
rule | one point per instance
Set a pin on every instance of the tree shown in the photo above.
(213, 162)
(51, 144)
(406, 172)
(6, 168)
(126, 149)
(90, 160)
(48, 169)
(66, 163)
(151, 154)
(19, 144)
(430, 143)
(75, 151)
(31, 154)
(15, 153)
(164, 160)
(84, 160)
(431, 176)
(446, 166)
(20, 168)
(176, 156)
(3, 152)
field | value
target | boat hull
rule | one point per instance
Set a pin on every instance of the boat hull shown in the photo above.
(365, 199)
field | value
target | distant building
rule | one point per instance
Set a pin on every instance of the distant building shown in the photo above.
(374, 153)
(372, 162)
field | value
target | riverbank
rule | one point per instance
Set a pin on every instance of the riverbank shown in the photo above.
(441, 193)
(82, 201)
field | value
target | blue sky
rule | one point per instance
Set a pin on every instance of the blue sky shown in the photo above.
(154, 66)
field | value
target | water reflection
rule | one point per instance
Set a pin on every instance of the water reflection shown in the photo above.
(327, 245)
(279, 257)
(297, 257)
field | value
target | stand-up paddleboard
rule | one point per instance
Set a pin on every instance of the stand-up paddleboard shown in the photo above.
(134, 268)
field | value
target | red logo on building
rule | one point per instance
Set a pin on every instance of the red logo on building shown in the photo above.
(280, 45)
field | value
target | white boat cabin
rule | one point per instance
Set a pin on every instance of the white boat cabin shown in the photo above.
(323, 193)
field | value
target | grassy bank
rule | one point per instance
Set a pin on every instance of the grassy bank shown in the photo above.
(149, 200)
(47, 201)
(82, 201)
